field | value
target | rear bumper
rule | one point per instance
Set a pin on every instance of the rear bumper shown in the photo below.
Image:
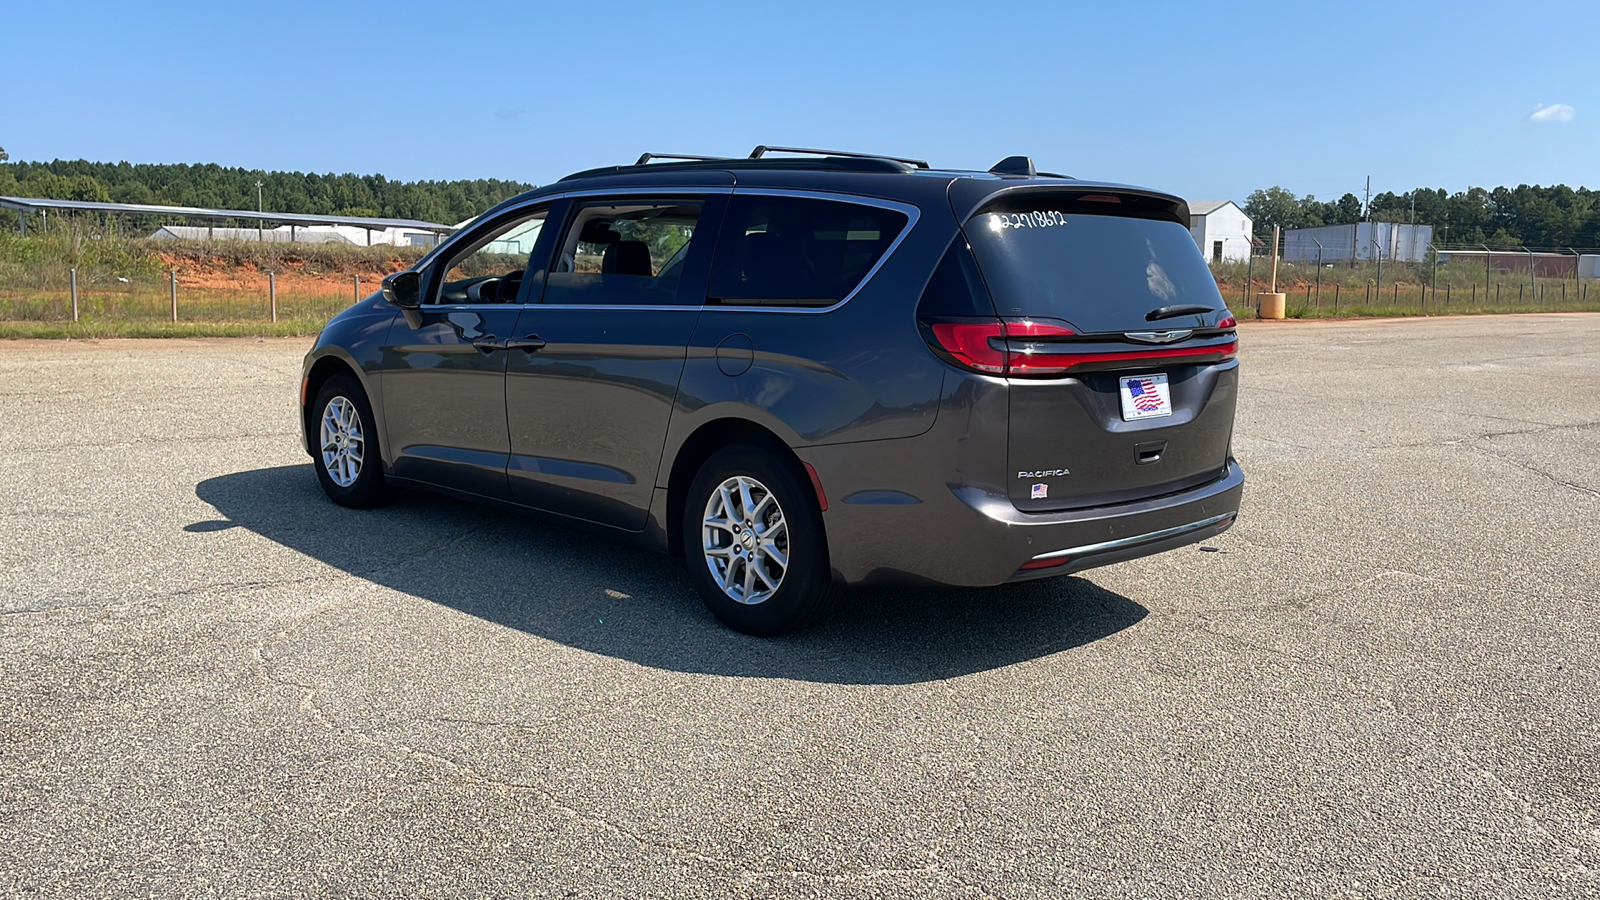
(969, 537)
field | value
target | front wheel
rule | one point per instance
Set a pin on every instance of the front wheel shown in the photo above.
(348, 465)
(754, 543)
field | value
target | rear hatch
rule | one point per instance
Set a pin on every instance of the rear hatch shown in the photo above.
(1119, 350)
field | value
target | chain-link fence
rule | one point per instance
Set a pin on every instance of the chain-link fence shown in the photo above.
(1442, 280)
(82, 274)
(178, 296)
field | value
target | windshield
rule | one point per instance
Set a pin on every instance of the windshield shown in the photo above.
(1101, 273)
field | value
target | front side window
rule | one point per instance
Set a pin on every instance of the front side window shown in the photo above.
(797, 251)
(490, 268)
(622, 253)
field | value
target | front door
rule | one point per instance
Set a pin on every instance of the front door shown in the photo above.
(593, 375)
(445, 363)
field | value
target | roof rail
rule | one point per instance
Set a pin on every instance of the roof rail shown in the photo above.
(763, 149)
(646, 157)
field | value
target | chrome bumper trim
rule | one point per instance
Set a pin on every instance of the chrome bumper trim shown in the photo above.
(1138, 538)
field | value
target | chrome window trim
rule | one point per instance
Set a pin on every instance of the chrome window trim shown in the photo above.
(910, 211)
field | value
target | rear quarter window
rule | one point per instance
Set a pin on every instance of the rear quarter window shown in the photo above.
(797, 251)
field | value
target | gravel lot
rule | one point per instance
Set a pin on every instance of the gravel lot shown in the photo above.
(1385, 681)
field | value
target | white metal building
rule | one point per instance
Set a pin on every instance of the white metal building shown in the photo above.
(1361, 241)
(1221, 229)
(301, 234)
(1589, 266)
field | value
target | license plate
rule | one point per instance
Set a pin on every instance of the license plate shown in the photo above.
(1145, 397)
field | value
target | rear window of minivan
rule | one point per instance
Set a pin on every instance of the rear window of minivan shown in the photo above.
(1098, 272)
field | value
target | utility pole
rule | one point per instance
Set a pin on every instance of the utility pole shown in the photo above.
(1367, 204)
(259, 208)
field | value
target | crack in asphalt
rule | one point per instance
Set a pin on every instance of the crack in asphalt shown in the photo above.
(470, 774)
(156, 596)
(1535, 470)
(148, 442)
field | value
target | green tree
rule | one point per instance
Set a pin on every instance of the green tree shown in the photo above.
(1348, 210)
(1273, 206)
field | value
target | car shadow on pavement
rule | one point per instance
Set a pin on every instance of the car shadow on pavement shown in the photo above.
(606, 597)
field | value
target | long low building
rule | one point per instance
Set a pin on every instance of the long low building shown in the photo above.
(295, 234)
(363, 230)
(1544, 263)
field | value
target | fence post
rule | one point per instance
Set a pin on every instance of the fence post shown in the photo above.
(1446, 293)
(1336, 296)
(356, 279)
(272, 293)
(172, 277)
(74, 295)
(1396, 300)
(1249, 273)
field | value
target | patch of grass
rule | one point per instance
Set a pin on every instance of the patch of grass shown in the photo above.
(1302, 311)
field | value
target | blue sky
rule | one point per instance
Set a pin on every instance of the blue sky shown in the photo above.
(1210, 100)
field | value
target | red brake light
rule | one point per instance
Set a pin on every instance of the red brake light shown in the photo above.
(1037, 359)
(1002, 347)
(972, 343)
(1227, 321)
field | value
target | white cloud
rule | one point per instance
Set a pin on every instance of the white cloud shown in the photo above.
(1555, 112)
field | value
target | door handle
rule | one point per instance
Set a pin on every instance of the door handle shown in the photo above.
(528, 344)
(488, 343)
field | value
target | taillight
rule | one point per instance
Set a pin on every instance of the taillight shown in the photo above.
(973, 344)
(1227, 321)
(1030, 348)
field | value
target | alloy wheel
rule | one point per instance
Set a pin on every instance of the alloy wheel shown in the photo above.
(344, 443)
(745, 540)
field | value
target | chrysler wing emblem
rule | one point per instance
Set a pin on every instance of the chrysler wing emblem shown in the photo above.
(1158, 337)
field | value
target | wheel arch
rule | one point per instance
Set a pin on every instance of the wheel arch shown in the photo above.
(699, 447)
(323, 369)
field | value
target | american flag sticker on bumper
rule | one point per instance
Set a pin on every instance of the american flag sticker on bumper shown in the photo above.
(1145, 397)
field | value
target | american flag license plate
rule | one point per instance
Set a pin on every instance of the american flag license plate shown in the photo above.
(1145, 397)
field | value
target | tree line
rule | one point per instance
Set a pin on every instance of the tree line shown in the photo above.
(219, 187)
(1554, 217)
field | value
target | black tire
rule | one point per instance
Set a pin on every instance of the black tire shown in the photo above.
(368, 488)
(805, 589)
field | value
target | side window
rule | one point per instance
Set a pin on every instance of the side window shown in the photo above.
(797, 251)
(490, 268)
(623, 253)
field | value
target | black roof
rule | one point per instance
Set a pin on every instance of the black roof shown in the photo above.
(869, 175)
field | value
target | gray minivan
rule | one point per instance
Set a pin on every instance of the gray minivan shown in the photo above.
(802, 370)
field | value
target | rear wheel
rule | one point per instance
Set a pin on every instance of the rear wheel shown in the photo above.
(754, 543)
(348, 464)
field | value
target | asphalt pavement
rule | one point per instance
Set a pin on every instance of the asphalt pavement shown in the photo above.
(1383, 682)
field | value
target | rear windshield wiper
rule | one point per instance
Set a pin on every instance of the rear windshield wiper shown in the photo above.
(1167, 312)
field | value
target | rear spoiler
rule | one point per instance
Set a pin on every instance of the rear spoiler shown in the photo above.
(969, 198)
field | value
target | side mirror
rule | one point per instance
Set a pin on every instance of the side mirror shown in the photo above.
(403, 289)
